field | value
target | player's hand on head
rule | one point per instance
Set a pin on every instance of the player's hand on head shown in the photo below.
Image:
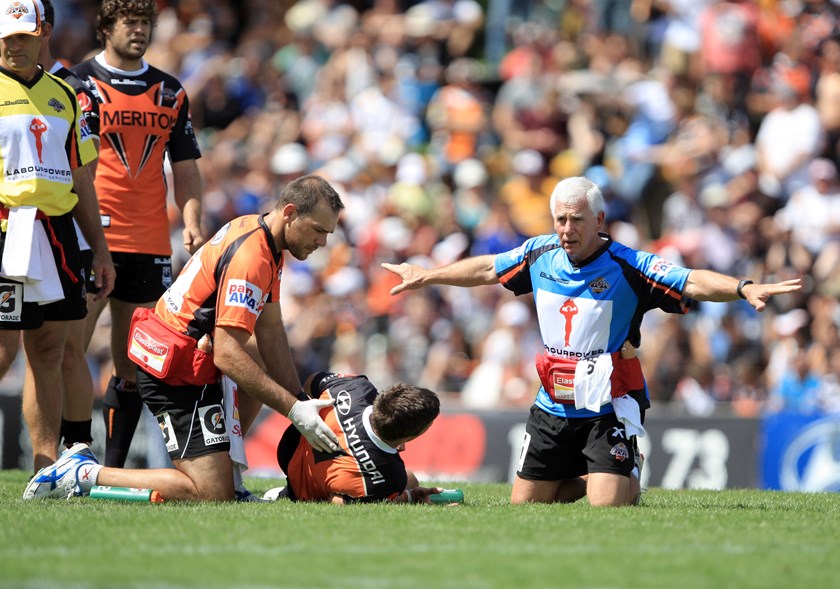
(306, 418)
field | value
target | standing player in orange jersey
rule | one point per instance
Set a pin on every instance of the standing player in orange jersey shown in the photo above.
(144, 116)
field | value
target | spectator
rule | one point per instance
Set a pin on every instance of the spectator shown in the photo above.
(788, 139)
(799, 387)
(458, 114)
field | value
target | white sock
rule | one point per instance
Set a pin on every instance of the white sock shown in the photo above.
(86, 476)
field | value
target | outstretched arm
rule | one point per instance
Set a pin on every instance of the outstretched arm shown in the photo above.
(705, 285)
(474, 271)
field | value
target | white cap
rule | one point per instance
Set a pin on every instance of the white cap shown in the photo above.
(291, 158)
(344, 282)
(528, 162)
(514, 314)
(19, 17)
(411, 169)
(450, 248)
(470, 173)
(787, 324)
(394, 234)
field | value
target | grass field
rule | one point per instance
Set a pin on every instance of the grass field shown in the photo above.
(676, 539)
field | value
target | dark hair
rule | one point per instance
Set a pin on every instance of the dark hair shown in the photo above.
(306, 192)
(49, 12)
(403, 411)
(112, 10)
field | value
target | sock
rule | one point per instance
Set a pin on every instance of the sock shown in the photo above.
(75, 431)
(86, 476)
(122, 412)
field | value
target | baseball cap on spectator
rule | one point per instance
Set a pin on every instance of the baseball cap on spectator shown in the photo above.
(450, 248)
(298, 280)
(514, 314)
(390, 151)
(341, 170)
(303, 16)
(290, 158)
(740, 160)
(419, 21)
(470, 173)
(787, 324)
(19, 17)
(393, 233)
(467, 11)
(344, 282)
(411, 169)
(714, 196)
(822, 169)
(528, 162)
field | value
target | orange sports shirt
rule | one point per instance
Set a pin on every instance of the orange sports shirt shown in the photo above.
(226, 282)
(367, 470)
(144, 114)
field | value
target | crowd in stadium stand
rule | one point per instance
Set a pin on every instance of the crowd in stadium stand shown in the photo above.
(712, 127)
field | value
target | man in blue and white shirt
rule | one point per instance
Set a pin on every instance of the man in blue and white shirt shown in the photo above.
(591, 294)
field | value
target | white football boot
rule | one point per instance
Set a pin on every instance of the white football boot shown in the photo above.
(73, 474)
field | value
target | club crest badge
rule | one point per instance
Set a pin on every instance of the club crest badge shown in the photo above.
(598, 285)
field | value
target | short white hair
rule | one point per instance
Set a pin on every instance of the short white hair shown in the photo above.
(575, 189)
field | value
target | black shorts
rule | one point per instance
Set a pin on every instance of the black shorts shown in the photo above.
(557, 448)
(191, 418)
(87, 271)
(141, 278)
(17, 315)
(289, 442)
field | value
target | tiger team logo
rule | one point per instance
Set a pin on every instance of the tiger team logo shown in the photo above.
(598, 285)
(620, 452)
(16, 10)
(56, 104)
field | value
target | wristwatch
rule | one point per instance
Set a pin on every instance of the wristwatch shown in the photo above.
(740, 288)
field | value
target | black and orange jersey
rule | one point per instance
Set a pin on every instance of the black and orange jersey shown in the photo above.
(144, 114)
(90, 111)
(367, 470)
(227, 281)
(87, 102)
(42, 139)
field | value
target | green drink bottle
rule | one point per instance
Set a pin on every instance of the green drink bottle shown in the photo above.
(125, 494)
(448, 496)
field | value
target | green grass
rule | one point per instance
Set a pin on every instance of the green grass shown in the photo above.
(676, 539)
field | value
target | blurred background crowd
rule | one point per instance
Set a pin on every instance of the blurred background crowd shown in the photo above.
(712, 127)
